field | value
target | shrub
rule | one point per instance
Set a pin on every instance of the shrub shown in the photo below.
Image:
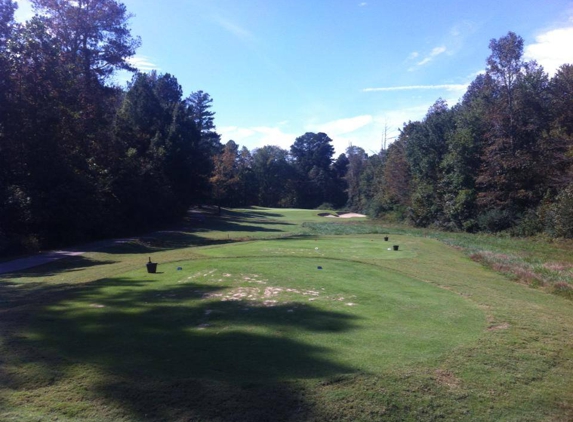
(375, 208)
(529, 225)
(326, 206)
(495, 220)
(562, 213)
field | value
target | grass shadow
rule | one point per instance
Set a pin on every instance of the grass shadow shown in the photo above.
(61, 266)
(192, 233)
(251, 213)
(169, 353)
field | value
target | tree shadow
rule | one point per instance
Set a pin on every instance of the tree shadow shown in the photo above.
(192, 234)
(163, 241)
(165, 353)
(250, 214)
(237, 225)
(60, 266)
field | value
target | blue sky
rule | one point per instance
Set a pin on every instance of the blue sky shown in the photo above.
(279, 68)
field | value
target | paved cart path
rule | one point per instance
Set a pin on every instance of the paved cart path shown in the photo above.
(35, 260)
(42, 258)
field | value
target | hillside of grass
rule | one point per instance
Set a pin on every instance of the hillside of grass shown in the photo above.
(268, 314)
(539, 262)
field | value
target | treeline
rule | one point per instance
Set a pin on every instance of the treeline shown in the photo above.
(499, 160)
(80, 158)
(306, 176)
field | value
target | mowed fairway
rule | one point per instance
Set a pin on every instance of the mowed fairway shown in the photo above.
(306, 327)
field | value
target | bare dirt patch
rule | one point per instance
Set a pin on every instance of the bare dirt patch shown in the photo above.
(267, 296)
(242, 293)
(503, 326)
(448, 379)
(252, 290)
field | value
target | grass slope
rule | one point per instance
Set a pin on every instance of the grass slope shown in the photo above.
(255, 331)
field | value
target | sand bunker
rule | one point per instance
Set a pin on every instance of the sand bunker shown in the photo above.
(344, 215)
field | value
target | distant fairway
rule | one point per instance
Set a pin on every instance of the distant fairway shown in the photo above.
(354, 248)
(304, 327)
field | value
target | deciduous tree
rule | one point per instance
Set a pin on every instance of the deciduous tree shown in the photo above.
(225, 177)
(312, 157)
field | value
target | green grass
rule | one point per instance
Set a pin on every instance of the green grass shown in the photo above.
(253, 330)
(538, 262)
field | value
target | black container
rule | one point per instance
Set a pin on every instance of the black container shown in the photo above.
(151, 267)
(386, 238)
(396, 247)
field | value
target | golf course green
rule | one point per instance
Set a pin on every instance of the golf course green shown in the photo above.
(254, 316)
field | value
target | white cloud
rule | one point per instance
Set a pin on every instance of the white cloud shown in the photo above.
(453, 41)
(384, 123)
(274, 136)
(370, 137)
(234, 29)
(342, 132)
(436, 51)
(142, 63)
(258, 136)
(551, 49)
(342, 126)
(395, 119)
(474, 75)
(422, 62)
(363, 4)
(461, 30)
(237, 134)
(446, 87)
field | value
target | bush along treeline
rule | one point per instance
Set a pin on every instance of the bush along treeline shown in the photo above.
(499, 160)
